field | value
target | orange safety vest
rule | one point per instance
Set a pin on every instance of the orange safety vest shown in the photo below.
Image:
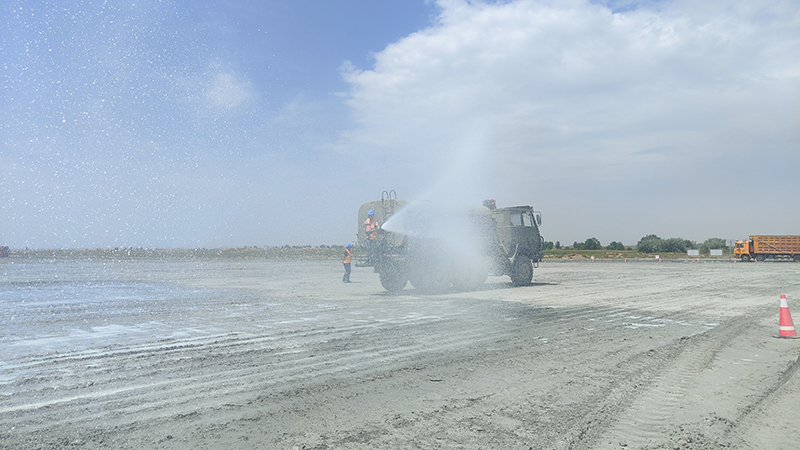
(371, 225)
(347, 256)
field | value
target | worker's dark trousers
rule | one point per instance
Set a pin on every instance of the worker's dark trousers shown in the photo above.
(346, 277)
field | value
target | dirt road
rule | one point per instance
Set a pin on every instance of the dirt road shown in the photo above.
(265, 354)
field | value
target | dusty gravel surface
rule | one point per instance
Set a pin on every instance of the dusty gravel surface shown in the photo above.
(280, 354)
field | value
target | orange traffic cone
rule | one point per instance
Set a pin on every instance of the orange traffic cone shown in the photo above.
(786, 326)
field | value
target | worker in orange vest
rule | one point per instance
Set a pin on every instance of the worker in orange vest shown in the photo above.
(346, 261)
(371, 227)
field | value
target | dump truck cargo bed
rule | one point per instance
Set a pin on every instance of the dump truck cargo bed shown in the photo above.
(776, 244)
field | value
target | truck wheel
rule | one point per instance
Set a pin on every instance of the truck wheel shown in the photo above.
(521, 271)
(470, 281)
(441, 281)
(745, 258)
(796, 258)
(469, 277)
(392, 279)
(433, 281)
(760, 258)
(419, 283)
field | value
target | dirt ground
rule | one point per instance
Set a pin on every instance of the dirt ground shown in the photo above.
(282, 355)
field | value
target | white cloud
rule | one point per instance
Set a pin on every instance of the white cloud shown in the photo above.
(570, 67)
(574, 90)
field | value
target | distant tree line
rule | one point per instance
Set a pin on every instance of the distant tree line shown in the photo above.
(589, 244)
(648, 244)
(653, 244)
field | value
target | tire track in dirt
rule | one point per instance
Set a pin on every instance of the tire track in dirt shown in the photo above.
(544, 350)
(187, 375)
(620, 374)
(642, 424)
(556, 365)
(221, 367)
(756, 426)
(769, 393)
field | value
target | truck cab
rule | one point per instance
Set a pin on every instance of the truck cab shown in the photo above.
(743, 250)
(518, 230)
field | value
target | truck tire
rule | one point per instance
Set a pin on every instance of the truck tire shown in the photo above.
(745, 258)
(469, 275)
(419, 284)
(392, 279)
(433, 281)
(470, 280)
(760, 258)
(796, 258)
(521, 271)
(441, 281)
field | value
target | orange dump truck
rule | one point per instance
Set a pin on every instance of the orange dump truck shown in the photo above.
(772, 247)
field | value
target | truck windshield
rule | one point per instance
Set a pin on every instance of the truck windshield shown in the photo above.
(521, 219)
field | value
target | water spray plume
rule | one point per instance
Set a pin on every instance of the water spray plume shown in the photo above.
(460, 186)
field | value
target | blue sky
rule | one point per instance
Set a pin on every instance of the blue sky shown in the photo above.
(206, 124)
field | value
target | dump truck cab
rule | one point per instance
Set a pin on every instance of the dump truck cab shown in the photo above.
(743, 250)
